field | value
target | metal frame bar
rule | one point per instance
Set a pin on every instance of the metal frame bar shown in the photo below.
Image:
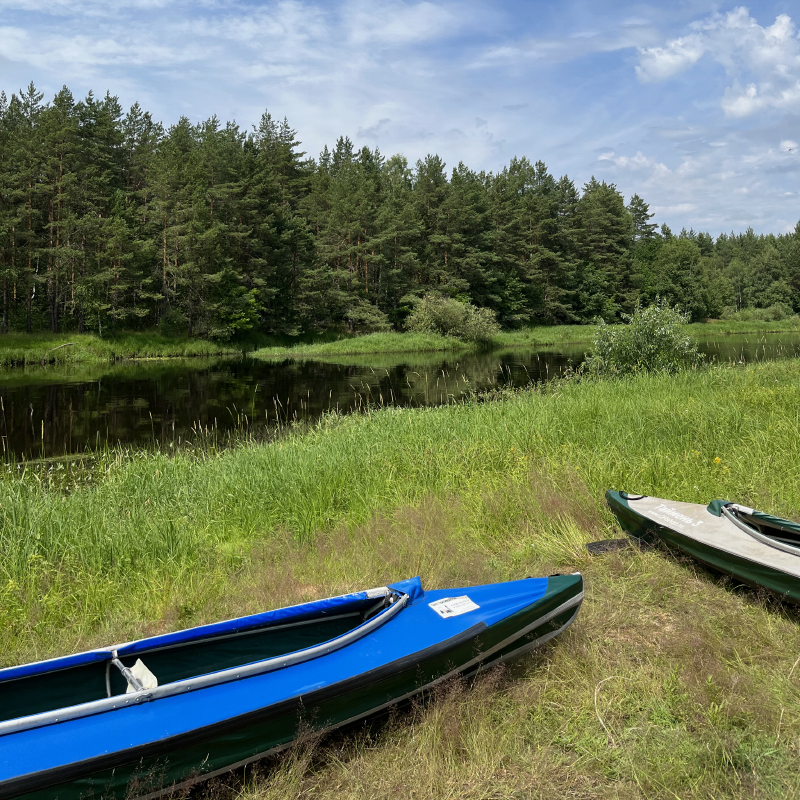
(204, 681)
(250, 632)
(757, 535)
(63, 661)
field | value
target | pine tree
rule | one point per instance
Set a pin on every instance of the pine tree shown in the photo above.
(430, 193)
(26, 154)
(398, 240)
(792, 260)
(60, 144)
(605, 238)
(141, 137)
(278, 247)
(679, 277)
(466, 236)
(7, 210)
(643, 229)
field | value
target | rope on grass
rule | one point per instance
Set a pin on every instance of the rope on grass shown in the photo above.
(793, 666)
(611, 741)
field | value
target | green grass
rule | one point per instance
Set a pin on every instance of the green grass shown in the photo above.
(19, 349)
(671, 684)
(729, 326)
(391, 342)
(546, 334)
(394, 342)
(138, 369)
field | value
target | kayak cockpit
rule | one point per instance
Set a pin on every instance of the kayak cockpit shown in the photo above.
(783, 530)
(782, 534)
(202, 656)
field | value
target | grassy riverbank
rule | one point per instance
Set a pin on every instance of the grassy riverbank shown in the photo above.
(20, 349)
(383, 343)
(670, 684)
(724, 327)
(393, 342)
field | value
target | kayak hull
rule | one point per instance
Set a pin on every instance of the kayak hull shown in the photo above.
(151, 768)
(727, 550)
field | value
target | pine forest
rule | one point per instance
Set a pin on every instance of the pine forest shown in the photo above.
(109, 221)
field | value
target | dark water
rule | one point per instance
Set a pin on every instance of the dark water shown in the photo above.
(47, 411)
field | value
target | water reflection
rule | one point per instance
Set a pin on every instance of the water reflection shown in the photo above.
(46, 412)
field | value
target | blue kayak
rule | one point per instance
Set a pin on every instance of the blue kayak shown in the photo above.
(142, 718)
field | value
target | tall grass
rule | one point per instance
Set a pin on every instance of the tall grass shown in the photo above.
(670, 684)
(18, 349)
(392, 342)
(389, 342)
(150, 517)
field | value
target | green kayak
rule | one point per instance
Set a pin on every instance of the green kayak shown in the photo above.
(753, 547)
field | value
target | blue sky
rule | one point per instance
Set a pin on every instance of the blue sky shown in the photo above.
(694, 105)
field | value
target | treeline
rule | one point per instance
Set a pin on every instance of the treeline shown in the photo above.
(110, 221)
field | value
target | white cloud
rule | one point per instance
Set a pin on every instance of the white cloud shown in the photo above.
(659, 63)
(394, 23)
(672, 210)
(763, 63)
(402, 75)
(716, 188)
(84, 52)
(88, 8)
(633, 33)
(637, 162)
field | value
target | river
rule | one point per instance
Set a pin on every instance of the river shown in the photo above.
(47, 412)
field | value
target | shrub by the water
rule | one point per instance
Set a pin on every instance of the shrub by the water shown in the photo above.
(774, 313)
(653, 340)
(435, 313)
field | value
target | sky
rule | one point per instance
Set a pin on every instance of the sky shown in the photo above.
(693, 105)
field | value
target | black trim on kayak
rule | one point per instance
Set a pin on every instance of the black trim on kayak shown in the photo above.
(70, 772)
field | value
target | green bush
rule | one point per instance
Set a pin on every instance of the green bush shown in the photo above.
(173, 323)
(652, 341)
(775, 313)
(435, 313)
(363, 317)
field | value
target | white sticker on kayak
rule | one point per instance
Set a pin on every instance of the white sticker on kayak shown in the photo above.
(453, 606)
